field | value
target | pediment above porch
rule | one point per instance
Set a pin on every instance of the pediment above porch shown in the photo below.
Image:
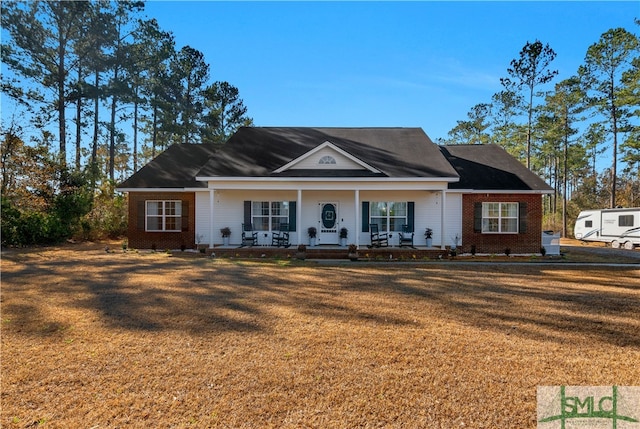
(327, 160)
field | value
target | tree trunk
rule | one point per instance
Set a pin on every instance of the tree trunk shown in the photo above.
(564, 185)
(61, 101)
(154, 139)
(78, 119)
(96, 106)
(112, 139)
(135, 130)
(529, 127)
(614, 166)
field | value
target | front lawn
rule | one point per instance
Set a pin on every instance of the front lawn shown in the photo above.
(106, 340)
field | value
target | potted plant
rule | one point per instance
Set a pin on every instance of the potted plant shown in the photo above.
(428, 234)
(302, 252)
(344, 232)
(456, 241)
(226, 232)
(454, 247)
(353, 252)
(199, 238)
(312, 231)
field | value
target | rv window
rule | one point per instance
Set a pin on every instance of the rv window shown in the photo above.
(625, 220)
(588, 223)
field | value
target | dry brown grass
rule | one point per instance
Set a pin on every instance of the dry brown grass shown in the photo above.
(91, 339)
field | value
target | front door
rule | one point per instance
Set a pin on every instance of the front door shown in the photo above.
(328, 230)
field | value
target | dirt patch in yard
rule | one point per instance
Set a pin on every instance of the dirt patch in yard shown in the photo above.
(109, 340)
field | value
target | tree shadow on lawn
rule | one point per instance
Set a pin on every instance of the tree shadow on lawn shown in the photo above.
(195, 302)
(539, 304)
(133, 293)
(202, 297)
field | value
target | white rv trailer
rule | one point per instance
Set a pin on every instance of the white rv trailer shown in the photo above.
(619, 227)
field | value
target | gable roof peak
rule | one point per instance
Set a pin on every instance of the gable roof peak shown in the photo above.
(394, 151)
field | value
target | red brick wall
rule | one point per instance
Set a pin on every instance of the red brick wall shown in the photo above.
(140, 239)
(527, 242)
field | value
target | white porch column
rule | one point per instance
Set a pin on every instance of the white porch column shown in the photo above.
(211, 221)
(356, 196)
(299, 216)
(443, 223)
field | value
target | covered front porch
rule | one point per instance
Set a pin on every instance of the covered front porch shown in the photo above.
(329, 208)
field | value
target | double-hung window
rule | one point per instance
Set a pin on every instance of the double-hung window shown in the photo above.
(500, 218)
(389, 215)
(164, 216)
(268, 215)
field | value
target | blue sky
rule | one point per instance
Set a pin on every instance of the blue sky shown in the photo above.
(407, 64)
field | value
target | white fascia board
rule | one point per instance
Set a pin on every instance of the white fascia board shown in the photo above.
(329, 184)
(332, 147)
(493, 191)
(326, 179)
(160, 189)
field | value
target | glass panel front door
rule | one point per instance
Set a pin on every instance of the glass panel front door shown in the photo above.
(328, 231)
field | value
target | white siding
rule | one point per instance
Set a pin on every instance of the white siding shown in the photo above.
(202, 217)
(427, 212)
(453, 218)
(229, 212)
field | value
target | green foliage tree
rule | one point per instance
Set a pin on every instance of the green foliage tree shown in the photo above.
(42, 35)
(192, 73)
(527, 72)
(157, 90)
(95, 55)
(607, 87)
(561, 110)
(42, 200)
(505, 131)
(150, 52)
(473, 130)
(607, 63)
(118, 88)
(225, 113)
(631, 93)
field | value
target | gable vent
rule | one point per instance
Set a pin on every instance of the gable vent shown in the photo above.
(327, 160)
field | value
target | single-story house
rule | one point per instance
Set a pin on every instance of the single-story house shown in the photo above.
(334, 178)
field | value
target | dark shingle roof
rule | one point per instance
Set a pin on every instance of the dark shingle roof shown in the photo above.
(176, 167)
(490, 167)
(396, 152)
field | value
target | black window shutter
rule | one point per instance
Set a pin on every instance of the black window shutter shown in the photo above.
(411, 209)
(365, 216)
(477, 217)
(292, 216)
(522, 218)
(247, 213)
(185, 215)
(141, 215)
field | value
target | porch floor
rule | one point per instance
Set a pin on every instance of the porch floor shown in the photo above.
(329, 252)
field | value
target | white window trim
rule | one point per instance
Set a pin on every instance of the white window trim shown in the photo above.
(164, 216)
(499, 231)
(388, 218)
(270, 216)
